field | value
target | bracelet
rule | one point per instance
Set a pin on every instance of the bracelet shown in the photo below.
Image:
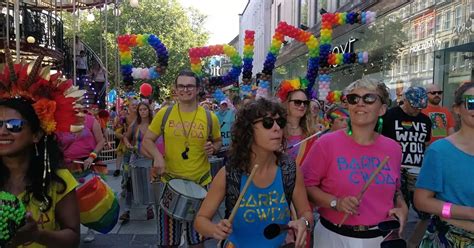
(93, 155)
(446, 212)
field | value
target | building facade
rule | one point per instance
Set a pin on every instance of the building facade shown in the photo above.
(412, 42)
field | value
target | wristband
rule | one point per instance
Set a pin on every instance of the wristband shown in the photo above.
(93, 155)
(446, 212)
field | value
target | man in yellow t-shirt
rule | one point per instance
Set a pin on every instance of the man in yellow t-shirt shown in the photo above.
(187, 147)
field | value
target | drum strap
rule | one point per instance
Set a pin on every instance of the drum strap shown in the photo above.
(234, 176)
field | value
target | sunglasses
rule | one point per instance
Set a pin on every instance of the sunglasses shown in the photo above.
(300, 102)
(369, 98)
(268, 122)
(469, 102)
(436, 92)
(13, 125)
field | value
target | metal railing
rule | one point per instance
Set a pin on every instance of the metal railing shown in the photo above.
(109, 153)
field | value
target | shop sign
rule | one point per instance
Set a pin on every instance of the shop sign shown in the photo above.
(425, 45)
(347, 48)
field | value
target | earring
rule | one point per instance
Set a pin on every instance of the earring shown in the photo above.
(380, 125)
(349, 127)
(36, 150)
(46, 172)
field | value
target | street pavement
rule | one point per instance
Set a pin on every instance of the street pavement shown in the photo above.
(139, 232)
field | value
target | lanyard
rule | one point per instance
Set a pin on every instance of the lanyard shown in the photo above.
(186, 134)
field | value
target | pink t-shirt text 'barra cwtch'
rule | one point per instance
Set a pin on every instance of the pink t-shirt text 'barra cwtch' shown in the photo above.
(340, 166)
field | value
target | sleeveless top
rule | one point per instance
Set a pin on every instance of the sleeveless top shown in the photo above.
(259, 208)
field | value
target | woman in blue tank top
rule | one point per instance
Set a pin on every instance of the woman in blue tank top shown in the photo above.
(257, 138)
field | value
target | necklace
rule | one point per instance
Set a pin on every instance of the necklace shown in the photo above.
(184, 154)
(293, 128)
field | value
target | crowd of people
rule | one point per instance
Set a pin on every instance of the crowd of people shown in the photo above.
(328, 177)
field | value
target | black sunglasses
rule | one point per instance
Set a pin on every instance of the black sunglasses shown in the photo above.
(13, 125)
(268, 122)
(369, 98)
(469, 102)
(299, 102)
(440, 92)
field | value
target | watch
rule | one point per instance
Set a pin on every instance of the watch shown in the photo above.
(306, 222)
(333, 204)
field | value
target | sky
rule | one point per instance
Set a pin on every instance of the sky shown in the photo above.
(222, 17)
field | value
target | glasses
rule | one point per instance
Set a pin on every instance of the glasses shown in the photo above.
(268, 122)
(440, 92)
(186, 87)
(300, 102)
(469, 102)
(13, 125)
(369, 98)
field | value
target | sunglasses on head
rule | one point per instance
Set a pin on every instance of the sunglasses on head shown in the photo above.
(469, 102)
(268, 122)
(13, 125)
(299, 102)
(440, 92)
(369, 98)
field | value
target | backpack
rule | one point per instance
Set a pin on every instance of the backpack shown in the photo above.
(168, 112)
(233, 177)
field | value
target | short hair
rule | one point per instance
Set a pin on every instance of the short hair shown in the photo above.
(370, 84)
(188, 73)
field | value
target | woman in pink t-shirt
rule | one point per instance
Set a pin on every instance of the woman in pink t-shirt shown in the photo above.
(340, 163)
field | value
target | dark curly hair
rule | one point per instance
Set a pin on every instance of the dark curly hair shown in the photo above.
(243, 134)
(34, 175)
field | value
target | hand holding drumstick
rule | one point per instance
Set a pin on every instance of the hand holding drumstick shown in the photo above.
(224, 227)
(366, 186)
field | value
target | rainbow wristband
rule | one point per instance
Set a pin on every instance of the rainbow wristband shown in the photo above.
(446, 212)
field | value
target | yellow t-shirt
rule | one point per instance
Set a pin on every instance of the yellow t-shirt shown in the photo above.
(47, 221)
(197, 167)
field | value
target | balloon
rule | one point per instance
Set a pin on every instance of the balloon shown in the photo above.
(146, 89)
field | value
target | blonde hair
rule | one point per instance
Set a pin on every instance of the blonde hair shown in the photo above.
(370, 84)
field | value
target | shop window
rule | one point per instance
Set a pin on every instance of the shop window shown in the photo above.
(472, 7)
(429, 61)
(439, 20)
(447, 20)
(303, 12)
(341, 3)
(458, 17)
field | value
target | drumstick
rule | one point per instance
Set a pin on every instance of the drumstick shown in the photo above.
(82, 162)
(304, 140)
(242, 193)
(366, 186)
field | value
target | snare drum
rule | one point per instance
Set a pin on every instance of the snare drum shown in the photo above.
(182, 199)
(140, 174)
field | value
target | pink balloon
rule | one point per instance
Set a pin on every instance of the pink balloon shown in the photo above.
(146, 89)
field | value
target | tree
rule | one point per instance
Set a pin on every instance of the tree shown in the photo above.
(177, 27)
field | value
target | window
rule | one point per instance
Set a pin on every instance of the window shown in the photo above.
(405, 64)
(447, 20)
(279, 13)
(303, 12)
(422, 30)
(430, 27)
(423, 62)
(414, 63)
(341, 3)
(458, 16)
(439, 20)
(472, 7)
(429, 61)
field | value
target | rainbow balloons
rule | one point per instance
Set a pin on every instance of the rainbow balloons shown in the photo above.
(248, 55)
(327, 58)
(126, 42)
(196, 53)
